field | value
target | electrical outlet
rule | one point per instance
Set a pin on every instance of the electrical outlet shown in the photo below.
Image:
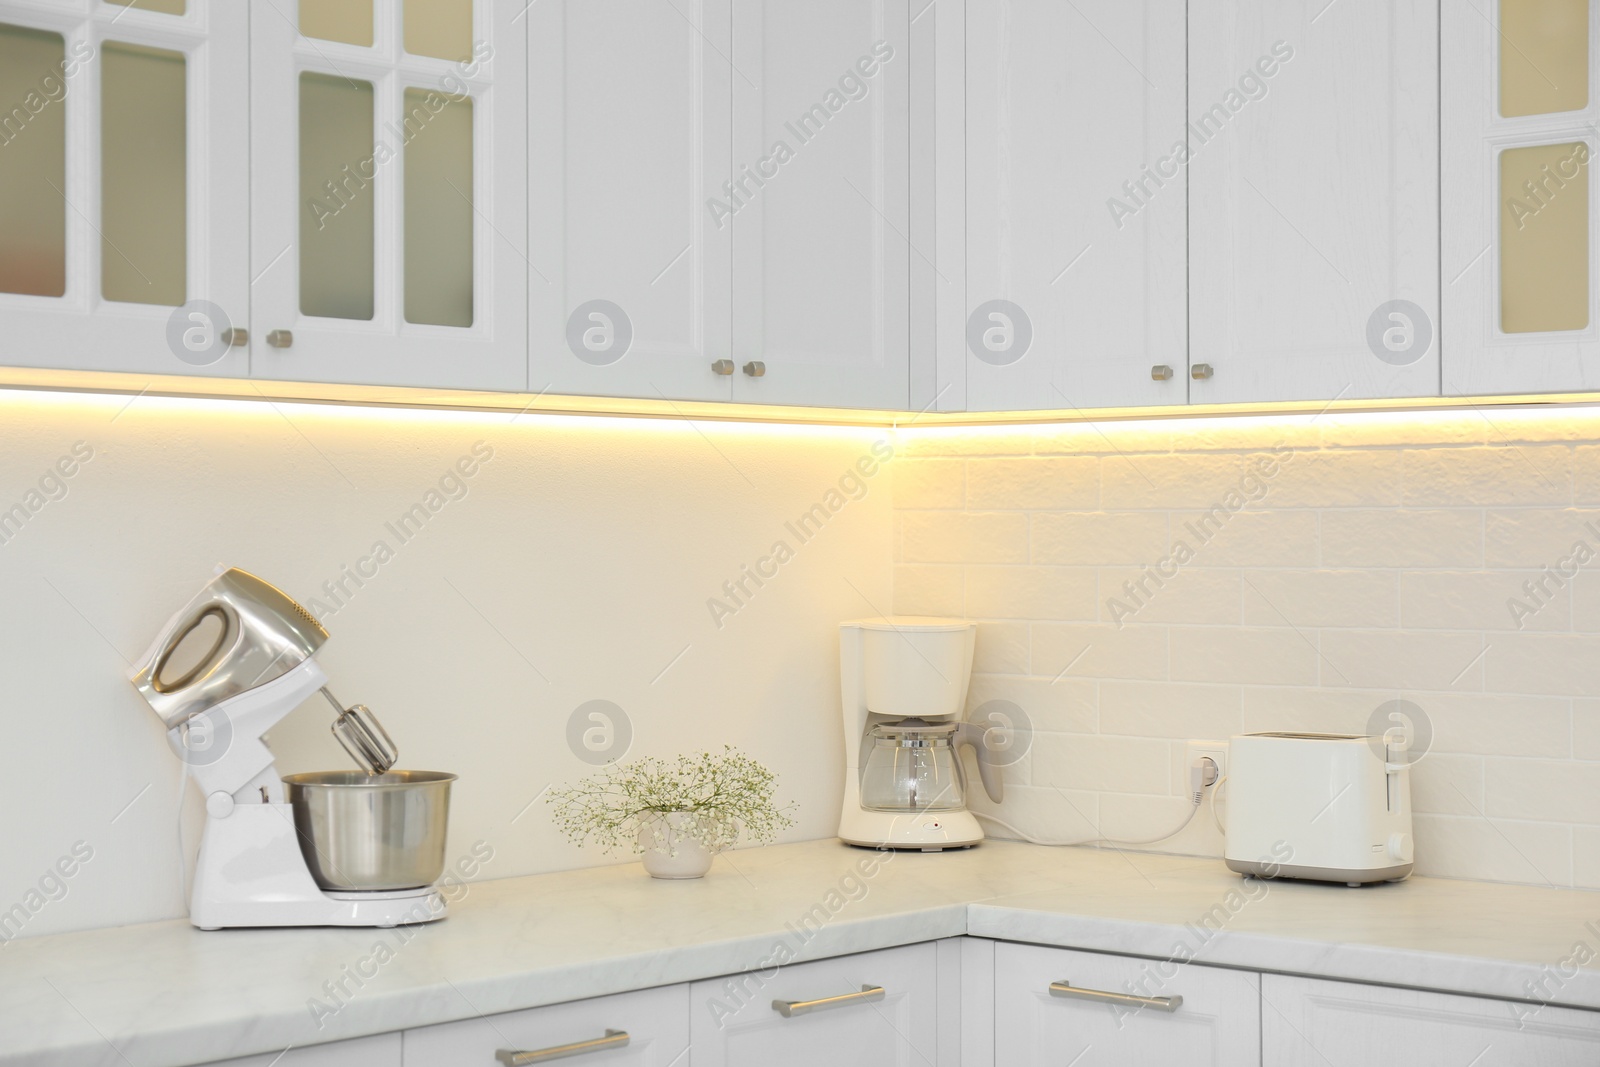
(1217, 750)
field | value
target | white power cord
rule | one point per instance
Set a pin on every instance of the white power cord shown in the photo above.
(1216, 795)
(1202, 774)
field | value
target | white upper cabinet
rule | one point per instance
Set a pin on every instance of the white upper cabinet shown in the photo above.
(629, 146)
(1075, 203)
(818, 203)
(124, 231)
(388, 192)
(1314, 199)
(1519, 115)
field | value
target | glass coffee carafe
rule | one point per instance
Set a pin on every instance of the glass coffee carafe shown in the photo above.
(912, 767)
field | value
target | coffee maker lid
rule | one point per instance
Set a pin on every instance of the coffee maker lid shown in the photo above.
(919, 623)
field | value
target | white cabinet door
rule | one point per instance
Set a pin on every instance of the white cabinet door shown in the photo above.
(629, 119)
(380, 1051)
(1075, 204)
(1518, 238)
(389, 196)
(124, 189)
(819, 202)
(649, 1028)
(1313, 185)
(733, 1022)
(1306, 1022)
(1217, 1021)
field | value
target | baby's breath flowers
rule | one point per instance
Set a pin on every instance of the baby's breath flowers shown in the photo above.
(725, 794)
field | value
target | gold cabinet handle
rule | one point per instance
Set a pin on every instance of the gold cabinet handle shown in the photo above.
(1160, 372)
(790, 1008)
(1072, 992)
(1200, 371)
(514, 1058)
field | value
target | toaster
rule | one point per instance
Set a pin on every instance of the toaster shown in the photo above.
(1330, 807)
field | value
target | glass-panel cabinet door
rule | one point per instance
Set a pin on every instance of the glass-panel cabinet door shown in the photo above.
(1518, 117)
(389, 232)
(123, 191)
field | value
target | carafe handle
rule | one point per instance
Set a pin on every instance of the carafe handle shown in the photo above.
(977, 735)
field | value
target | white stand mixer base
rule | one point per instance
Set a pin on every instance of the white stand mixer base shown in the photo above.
(251, 873)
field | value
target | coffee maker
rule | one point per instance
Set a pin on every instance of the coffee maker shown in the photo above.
(903, 681)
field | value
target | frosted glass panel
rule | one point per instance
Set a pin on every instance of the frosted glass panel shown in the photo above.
(346, 21)
(165, 7)
(1544, 56)
(438, 213)
(336, 197)
(1544, 238)
(33, 163)
(441, 28)
(143, 161)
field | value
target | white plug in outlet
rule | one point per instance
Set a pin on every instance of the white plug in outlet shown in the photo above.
(1216, 750)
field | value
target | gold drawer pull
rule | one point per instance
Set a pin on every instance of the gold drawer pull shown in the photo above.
(790, 1008)
(513, 1058)
(1070, 991)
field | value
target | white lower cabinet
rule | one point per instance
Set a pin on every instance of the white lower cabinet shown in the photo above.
(380, 1051)
(838, 1018)
(1215, 1020)
(1309, 1021)
(649, 1028)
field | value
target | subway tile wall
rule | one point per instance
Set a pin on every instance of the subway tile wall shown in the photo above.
(1138, 584)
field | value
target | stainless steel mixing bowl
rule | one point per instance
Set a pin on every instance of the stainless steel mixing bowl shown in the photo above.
(363, 831)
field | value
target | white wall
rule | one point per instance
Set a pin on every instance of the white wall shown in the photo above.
(577, 566)
(1378, 563)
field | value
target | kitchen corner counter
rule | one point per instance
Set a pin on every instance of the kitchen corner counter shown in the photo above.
(166, 993)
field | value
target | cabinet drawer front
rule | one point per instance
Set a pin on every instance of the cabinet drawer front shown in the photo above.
(1217, 1020)
(380, 1051)
(734, 1024)
(655, 1021)
(1309, 1021)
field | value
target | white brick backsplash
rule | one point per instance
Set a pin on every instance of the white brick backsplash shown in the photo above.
(928, 589)
(1586, 857)
(1100, 537)
(1469, 846)
(1272, 708)
(1518, 474)
(1481, 600)
(1248, 538)
(1169, 709)
(1312, 598)
(1378, 562)
(1193, 595)
(1040, 484)
(1235, 655)
(1494, 724)
(1103, 764)
(1400, 659)
(1558, 664)
(1042, 813)
(1534, 538)
(1337, 480)
(1586, 729)
(1545, 790)
(1064, 706)
(1032, 593)
(1447, 785)
(1188, 479)
(963, 537)
(1002, 648)
(1096, 651)
(929, 483)
(1431, 538)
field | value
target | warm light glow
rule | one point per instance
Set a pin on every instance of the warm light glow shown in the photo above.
(1495, 419)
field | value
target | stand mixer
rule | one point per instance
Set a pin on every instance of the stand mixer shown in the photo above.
(903, 684)
(344, 848)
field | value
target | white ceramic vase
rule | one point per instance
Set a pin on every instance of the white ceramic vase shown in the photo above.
(669, 851)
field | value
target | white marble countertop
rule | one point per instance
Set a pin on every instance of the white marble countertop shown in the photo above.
(166, 994)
